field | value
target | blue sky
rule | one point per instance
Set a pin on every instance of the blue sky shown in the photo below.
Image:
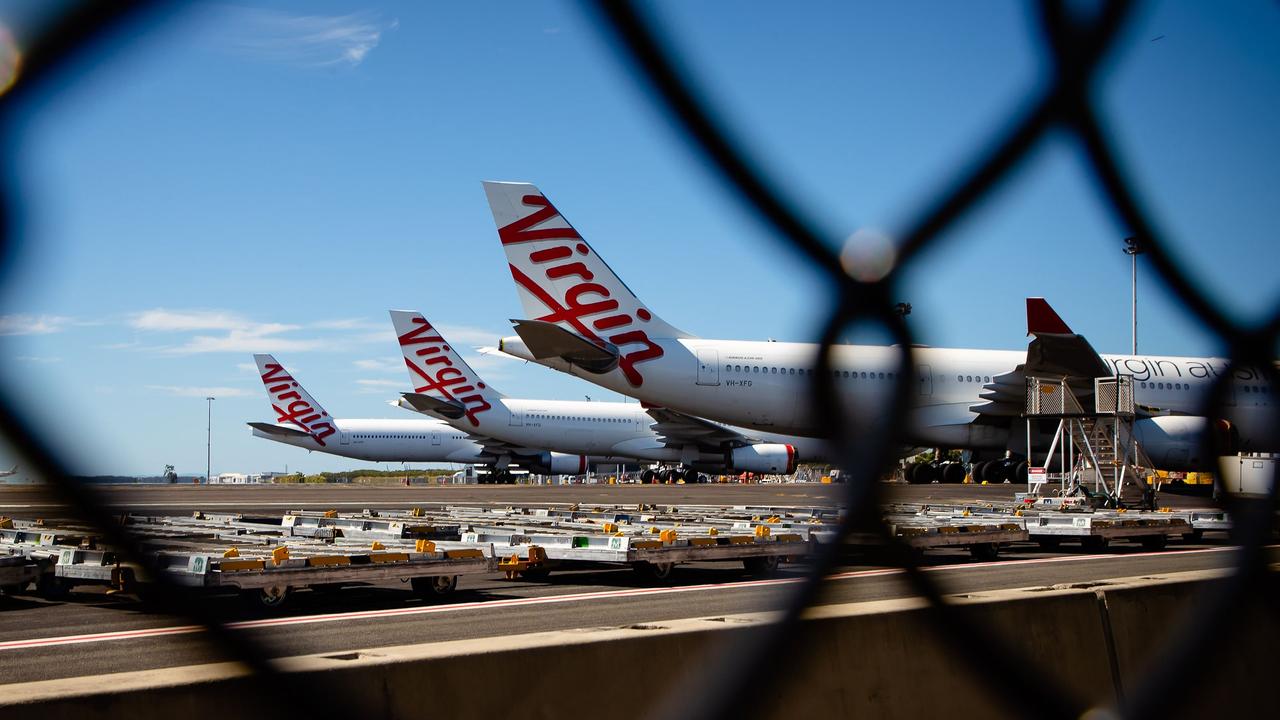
(275, 178)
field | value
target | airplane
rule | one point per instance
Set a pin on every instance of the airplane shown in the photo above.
(580, 318)
(447, 387)
(302, 422)
(9, 473)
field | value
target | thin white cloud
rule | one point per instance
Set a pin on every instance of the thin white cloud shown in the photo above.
(163, 320)
(32, 324)
(348, 324)
(245, 342)
(382, 387)
(240, 334)
(300, 40)
(198, 391)
(38, 359)
(468, 335)
(247, 367)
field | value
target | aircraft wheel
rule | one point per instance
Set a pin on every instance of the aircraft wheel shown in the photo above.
(926, 473)
(1020, 472)
(993, 471)
(648, 476)
(664, 475)
(953, 473)
(976, 470)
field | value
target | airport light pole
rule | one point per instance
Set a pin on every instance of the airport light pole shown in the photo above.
(1133, 248)
(208, 438)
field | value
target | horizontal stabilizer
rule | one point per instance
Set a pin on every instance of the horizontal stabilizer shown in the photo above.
(548, 340)
(280, 430)
(451, 409)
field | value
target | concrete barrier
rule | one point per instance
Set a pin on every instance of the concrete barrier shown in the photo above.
(875, 658)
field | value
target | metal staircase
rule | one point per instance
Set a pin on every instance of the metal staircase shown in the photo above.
(1098, 455)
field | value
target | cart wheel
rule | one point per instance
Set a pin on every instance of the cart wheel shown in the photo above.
(654, 572)
(984, 551)
(1154, 542)
(1050, 543)
(53, 587)
(1194, 536)
(13, 589)
(761, 566)
(434, 586)
(270, 597)
(1094, 542)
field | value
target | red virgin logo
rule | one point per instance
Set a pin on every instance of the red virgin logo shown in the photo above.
(437, 371)
(583, 300)
(298, 410)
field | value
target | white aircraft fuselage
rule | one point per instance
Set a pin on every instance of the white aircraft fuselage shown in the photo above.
(378, 440)
(765, 386)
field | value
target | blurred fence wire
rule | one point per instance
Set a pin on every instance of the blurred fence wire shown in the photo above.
(1078, 47)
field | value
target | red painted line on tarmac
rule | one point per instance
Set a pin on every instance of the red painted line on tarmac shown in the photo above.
(572, 597)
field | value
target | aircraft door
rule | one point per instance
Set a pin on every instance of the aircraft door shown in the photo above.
(344, 438)
(924, 375)
(517, 419)
(435, 438)
(709, 367)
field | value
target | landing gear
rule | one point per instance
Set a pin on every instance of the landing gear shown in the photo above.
(952, 473)
(689, 475)
(648, 477)
(664, 476)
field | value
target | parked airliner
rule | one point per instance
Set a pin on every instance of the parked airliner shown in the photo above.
(302, 422)
(446, 386)
(583, 320)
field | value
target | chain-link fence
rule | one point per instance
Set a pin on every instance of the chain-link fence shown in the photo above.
(1079, 44)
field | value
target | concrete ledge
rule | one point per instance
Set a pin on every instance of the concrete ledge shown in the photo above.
(879, 658)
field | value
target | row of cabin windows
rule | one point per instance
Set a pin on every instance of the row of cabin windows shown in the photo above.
(403, 437)
(769, 370)
(973, 378)
(1165, 386)
(536, 416)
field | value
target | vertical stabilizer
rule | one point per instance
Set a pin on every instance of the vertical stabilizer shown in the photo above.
(561, 279)
(437, 370)
(292, 403)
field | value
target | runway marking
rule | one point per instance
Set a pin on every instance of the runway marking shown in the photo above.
(573, 597)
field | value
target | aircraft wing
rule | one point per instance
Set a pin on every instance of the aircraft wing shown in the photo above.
(1055, 352)
(679, 429)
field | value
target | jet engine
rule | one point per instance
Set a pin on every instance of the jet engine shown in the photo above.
(555, 463)
(1173, 441)
(763, 458)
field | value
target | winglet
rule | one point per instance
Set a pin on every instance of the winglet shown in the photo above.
(1041, 318)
